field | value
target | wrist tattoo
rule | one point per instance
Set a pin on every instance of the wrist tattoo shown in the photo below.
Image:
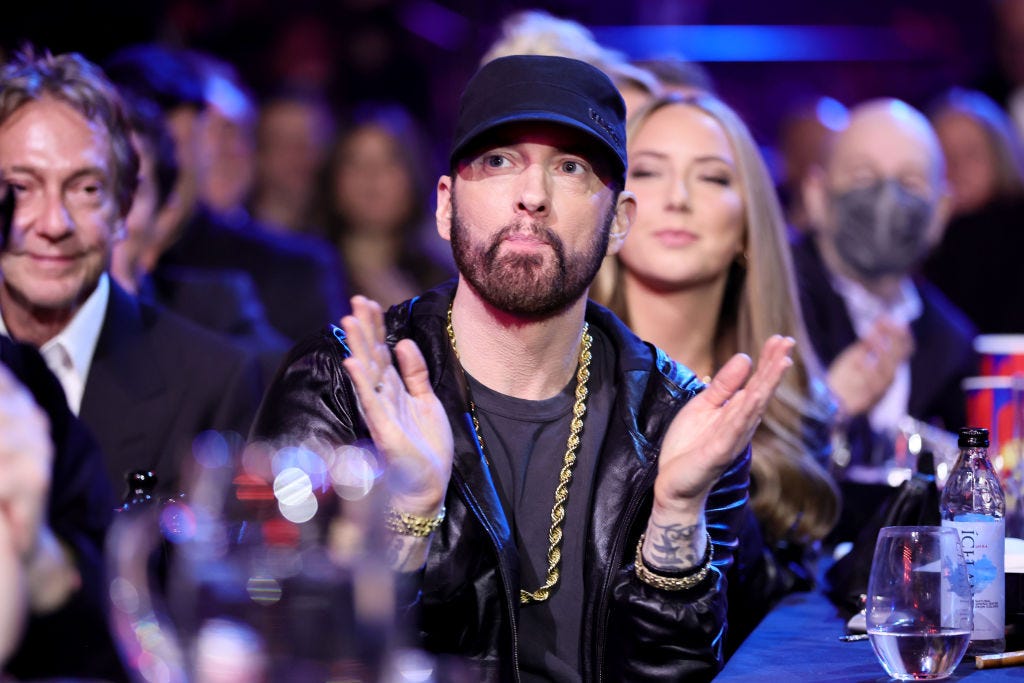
(404, 553)
(675, 545)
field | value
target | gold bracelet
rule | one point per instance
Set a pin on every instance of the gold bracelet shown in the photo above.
(673, 583)
(406, 524)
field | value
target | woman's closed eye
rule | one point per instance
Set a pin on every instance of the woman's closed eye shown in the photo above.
(717, 178)
(643, 173)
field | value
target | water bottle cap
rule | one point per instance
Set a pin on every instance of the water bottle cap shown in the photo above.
(973, 437)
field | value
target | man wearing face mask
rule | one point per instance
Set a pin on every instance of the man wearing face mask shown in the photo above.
(892, 344)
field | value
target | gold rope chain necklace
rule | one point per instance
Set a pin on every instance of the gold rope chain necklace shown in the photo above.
(579, 409)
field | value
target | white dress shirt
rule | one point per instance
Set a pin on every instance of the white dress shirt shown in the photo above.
(864, 309)
(69, 354)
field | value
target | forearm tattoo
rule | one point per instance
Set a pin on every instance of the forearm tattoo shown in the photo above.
(674, 546)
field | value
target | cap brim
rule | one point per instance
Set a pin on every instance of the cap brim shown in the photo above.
(473, 136)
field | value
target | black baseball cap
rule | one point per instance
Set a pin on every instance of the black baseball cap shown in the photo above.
(539, 88)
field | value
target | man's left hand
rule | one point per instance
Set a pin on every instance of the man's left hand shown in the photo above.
(718, 423)
(701, 443)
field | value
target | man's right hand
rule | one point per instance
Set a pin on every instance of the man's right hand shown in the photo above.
(861, 375)
(406, 421)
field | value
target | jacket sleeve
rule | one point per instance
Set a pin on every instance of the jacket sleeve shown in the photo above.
(311, 397)
(679, 635)
(312, 400)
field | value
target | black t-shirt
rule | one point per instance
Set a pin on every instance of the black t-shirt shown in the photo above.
(525, 443)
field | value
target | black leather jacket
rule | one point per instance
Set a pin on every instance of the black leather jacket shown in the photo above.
(468, 590)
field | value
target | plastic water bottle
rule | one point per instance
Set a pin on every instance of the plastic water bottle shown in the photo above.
(973, 503)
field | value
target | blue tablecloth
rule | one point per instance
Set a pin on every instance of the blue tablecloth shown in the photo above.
(799, 641)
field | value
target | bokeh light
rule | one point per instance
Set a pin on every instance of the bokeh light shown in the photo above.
(211, 449)
(123, 595)
(256, 459)
(413, 666)
(300, 512)
(263, 590)
(292, 486)
(303, 459)
(353, 472)
(177, 522)
(229, 652)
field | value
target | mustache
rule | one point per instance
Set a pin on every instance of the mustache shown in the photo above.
(536, 230)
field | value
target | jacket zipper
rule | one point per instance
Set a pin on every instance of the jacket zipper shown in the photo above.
(470, 500)
(602, 609)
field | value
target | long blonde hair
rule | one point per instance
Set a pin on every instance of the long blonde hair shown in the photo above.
(793, 496)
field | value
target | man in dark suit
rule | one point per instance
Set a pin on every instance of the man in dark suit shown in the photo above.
(144, 380)
(299, 278)
(893, 345)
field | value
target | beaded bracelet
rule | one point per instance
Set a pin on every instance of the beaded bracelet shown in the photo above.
(674, 583)
(406, 524)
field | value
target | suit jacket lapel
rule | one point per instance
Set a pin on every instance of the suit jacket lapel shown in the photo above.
(124, 379)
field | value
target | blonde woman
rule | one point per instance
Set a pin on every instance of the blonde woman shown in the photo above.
(705, 273)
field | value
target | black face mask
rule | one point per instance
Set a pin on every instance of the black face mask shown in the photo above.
(881, 229)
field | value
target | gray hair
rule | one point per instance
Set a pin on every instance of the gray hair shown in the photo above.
(77, 82)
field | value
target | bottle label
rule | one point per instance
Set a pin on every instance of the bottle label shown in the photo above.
(982, 543)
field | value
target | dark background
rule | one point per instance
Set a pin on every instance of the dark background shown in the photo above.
(763, 56)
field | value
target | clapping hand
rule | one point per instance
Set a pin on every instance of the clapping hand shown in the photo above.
(405, 419)
(26, 458)
(861, 375)
(701, 443)
(718, 423)
(26, 455)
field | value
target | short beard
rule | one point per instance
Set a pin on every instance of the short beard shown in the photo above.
(520, 284)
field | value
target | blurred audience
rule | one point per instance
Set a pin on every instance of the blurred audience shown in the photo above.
(293, 138)
(535, 32)
(221, 300)
(894, 345)
(704, 274)
(1006, 83)
(538, 32)
(375, 206)
(137, 252)
(807, 130)
(227, 170)
(984, 156)
(977, 263)
(299, 278)
(678, 75)
(144, 380)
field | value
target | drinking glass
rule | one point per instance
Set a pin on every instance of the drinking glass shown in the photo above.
(919, 609)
